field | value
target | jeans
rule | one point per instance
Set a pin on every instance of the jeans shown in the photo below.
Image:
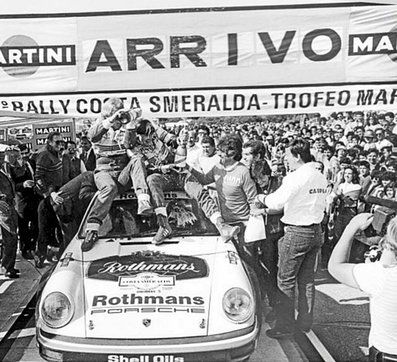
(158, 183)
(298, 251)
(109, 183)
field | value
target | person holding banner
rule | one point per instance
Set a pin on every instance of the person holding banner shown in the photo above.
(302, 195)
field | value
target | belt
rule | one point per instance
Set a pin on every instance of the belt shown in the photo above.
(377, 356)
(303, 226)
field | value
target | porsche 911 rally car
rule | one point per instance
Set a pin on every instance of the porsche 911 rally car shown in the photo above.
(191, 298)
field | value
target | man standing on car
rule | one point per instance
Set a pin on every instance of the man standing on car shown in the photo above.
(303, 196)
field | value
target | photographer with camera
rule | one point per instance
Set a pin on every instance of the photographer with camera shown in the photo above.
(378, 279)
(115, 171)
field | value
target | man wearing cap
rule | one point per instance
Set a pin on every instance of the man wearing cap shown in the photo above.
(302, 195)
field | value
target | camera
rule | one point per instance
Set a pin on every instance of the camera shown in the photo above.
(130, 115)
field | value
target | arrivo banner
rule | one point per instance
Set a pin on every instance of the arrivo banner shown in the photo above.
(201, 62)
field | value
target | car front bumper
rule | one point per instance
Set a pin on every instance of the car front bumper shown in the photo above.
(233, 346)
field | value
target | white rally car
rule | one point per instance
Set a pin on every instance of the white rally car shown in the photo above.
(189, 299)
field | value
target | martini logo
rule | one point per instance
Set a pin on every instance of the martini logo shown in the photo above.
(21, 56)
(374, 43)
(179, 266)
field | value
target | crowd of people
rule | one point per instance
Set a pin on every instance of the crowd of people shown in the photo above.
(308, 176)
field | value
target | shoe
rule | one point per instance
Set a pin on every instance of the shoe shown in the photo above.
(38, 261)
(28, 255)
(227, 232)
(91, 237)
(305, 328)
(15, 271)
(52, 254)
(162, 233)
(144, 207)
(279, 333)
(12, 274)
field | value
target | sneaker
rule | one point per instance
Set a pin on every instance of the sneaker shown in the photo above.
(279, 333)
(12, 274)
(144, 207)
(228, 232)
(91, 237)
(162, 233)
(38, 261)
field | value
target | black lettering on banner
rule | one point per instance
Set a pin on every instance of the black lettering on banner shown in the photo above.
(199, 101)
(330, 99)
(344, 98)
(148, 55)
(155, 106)
(186, 104)
(365, 97)
(239, 102)
(307, 44)
(81, 106)
(192, 53)
(232, 58)
(171, 104)
(393, 96)
(254, 102)
(103, 48)
(304, 100)
(99, 299)
(277, 55)
(17, 106)
(31, 107)
(381, 97)
(64, 105)
(95, 105)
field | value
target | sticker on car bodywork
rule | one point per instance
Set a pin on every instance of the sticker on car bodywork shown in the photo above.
(146, 281)
(182, 267)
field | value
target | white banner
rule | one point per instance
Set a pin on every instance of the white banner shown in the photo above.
(212, 103)
(200, 62)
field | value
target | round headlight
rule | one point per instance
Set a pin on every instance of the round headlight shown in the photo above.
(56, 310)
(238, 305)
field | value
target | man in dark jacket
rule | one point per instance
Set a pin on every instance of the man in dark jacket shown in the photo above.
(8, 225)
(48, 180)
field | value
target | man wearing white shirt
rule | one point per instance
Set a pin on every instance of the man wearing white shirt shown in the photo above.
(302, 195)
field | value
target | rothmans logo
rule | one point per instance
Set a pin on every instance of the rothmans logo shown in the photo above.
(21, 56)
(180, 266)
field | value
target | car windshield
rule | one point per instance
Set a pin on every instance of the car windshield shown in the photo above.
(184, 216)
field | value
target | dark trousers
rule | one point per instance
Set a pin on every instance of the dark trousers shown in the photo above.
(48, 223)
(9, 249)
(28, 228)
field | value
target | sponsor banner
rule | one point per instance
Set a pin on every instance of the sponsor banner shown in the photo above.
(196, 49)
(41, 131)
(230, 102)
(116, 268)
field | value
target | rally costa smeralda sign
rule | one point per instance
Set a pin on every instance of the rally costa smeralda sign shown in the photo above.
(201, 62)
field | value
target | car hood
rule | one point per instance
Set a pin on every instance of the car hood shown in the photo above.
(141, 291)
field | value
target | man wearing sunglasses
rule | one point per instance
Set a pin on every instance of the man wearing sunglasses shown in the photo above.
(48, 181)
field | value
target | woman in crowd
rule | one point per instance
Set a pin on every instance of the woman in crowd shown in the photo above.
(378, 279)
